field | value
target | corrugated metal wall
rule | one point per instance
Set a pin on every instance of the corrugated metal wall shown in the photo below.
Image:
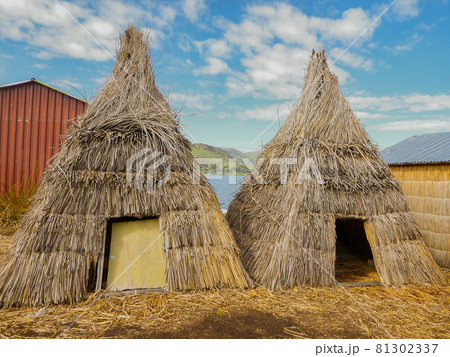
(32, 119)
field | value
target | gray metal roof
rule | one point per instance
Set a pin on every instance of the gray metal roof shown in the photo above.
(419, 149)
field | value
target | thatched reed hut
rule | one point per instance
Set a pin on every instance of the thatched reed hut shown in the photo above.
(422, 165)
(86, 210)
(319, 182)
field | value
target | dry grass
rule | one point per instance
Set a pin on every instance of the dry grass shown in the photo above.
(349, 269)
(314, 313)
(12, 207)
(363, 312)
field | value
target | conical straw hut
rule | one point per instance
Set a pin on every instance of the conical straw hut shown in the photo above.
(321, 175)
(123, 160)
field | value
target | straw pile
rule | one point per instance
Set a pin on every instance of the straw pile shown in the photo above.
(285, 224)
(353, 270)
(374, 312)
(369, 312)
(426, 188)
(59, 245)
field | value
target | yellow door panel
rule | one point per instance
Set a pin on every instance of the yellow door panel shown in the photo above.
(136, 258)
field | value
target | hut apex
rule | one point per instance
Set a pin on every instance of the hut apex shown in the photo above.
(118, 207)
(333, 189)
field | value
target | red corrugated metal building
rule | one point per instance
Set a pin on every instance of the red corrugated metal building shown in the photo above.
(33, 117)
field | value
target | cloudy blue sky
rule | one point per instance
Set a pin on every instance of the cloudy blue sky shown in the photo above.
(237, 65)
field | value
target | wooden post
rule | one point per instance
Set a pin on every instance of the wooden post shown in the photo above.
(101, 259)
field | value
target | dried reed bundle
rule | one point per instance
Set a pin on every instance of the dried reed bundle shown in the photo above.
(57, 249)
(286, 230)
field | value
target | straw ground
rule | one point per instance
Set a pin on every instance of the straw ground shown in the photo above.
(412, 312)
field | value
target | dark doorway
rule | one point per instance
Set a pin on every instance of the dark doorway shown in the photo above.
(354, 260)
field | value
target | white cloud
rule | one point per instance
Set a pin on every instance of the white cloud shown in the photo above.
(65, 83)
(6, 55)
(275, 71)
(415, 125)
(342, 75)
(215, 66)
(217, 48)
(185, 42)
(414, 103)
(44, 55)
(366, 115)
(192, 100)
(266, 113)
(352, 24)
(406, 9)
(275, 41)
(408, 45)
(193, 9)
(40, 65)
(350, 59)
(166, 16)
(50, 31)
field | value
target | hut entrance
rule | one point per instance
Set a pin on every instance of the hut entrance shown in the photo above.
(135, 257)
(354, 260)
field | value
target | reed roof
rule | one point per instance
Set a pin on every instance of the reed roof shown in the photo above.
(283, 217)
(57, 251)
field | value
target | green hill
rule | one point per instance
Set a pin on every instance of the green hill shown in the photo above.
(208, 151)
(252, 155)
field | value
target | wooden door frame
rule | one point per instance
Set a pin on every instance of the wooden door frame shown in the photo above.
(107, 238)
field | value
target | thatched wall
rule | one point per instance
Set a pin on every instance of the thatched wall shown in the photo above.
(427, 190)
(56, 252)
(284, 222)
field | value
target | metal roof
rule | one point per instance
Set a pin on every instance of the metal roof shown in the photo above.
(41, 83)
(419, 149)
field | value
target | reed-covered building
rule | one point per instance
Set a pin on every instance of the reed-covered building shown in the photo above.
(422, 165)
(122, 205)
(320, 182)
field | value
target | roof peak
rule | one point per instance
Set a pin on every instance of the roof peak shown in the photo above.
(131, 88)
(322, 112)
(34, 80)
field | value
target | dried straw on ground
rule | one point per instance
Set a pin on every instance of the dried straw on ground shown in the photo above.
(369, 312)
(287, 231)
(58, 247)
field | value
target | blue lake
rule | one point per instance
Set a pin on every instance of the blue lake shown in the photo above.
(225, 187)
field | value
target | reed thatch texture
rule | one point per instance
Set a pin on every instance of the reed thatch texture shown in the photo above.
(285, 224)
(427, 190)
(57, 249)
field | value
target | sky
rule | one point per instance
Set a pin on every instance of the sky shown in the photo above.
(235, 67)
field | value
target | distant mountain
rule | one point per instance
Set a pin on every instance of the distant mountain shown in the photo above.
(252, 155)
(208, 151)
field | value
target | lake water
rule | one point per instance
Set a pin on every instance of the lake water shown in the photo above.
(224, 189)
